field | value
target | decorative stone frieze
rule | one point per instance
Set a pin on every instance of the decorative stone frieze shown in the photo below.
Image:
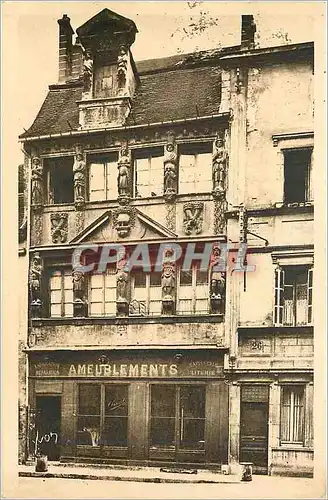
(193, 217)
(59, 227)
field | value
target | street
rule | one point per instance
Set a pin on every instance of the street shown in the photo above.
(260, 487)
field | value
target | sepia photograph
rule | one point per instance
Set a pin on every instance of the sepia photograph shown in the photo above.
(163, 265)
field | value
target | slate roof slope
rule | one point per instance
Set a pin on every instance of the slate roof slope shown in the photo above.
(175, 87)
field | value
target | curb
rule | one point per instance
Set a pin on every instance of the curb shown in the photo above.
(120, 478)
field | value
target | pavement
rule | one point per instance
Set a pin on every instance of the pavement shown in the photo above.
(116, 473)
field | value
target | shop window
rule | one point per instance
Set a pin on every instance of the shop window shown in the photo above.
(297, 175)
(193, 291)
(293, 295)
(146, 294)
(115, 431)
(102, 293)
(88, 422)
(61, 293)
(103, 177)
(60, 180)
(177, 417)
(195, 168)
(292, 415)
(102, 420)
(148, 168)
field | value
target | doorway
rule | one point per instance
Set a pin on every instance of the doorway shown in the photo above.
(254, 426)
(48, 425)
(177, 423)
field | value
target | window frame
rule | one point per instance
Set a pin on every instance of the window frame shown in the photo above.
(193, 286)
(48, 173)
(95, 159)
(194, 150)
(147, 287)
(102, 413)
(146, 154)
(103, 292)
(307, 181)
(63, 270)
(292, 388)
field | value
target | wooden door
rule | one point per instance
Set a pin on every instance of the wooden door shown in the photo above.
(254, 426)
(48, 425)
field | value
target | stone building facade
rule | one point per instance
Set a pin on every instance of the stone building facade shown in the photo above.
(194, 366)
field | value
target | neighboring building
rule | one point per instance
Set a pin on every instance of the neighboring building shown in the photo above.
(173, 367)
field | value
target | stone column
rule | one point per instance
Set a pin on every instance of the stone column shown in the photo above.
(274, 421)
(122, 288)
(217, 283)
(219, 176)
(234, 423)
(80, 306)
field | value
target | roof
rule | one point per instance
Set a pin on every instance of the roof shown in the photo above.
(171, 88)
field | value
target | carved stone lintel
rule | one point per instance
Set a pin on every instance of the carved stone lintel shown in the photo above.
(79, 172)
(36, 184)
(170, 168)
(124, 183)
(168, 283)
(59, 227)
(193, 217)
(35, 280)
(123, 220)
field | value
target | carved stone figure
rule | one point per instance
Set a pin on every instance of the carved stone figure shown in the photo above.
(79, 171)
(168, 283)
(59, 227)
(37, 183)
(123, 219)
(220, 207)
(87, 71)
(122, 66)
(193, 217)
(219, 164)
(123, 179)
(80, 304)
(35, 277)
(170, 168)
(217, 283)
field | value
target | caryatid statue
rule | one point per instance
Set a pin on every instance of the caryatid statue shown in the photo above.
(37, 182)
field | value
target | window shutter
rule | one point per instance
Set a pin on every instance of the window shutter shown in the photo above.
(279, 296)
(310, 295)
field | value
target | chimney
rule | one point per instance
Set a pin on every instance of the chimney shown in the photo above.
(65, 48)
(248, 28)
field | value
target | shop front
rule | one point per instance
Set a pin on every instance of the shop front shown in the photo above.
(129, 407)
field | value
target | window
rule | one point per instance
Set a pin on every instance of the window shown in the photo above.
(102, 415)
(61, 293)
(102, 293)
(60, 180)
(195, 168)
(193, 291)
(297, 164)
(105, 81)
(177, 417)
(293, 295)
(146, 294)
(103, 177)
(292, 415)
(149, 176)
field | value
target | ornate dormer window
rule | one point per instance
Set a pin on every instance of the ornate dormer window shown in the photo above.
(109, 73)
